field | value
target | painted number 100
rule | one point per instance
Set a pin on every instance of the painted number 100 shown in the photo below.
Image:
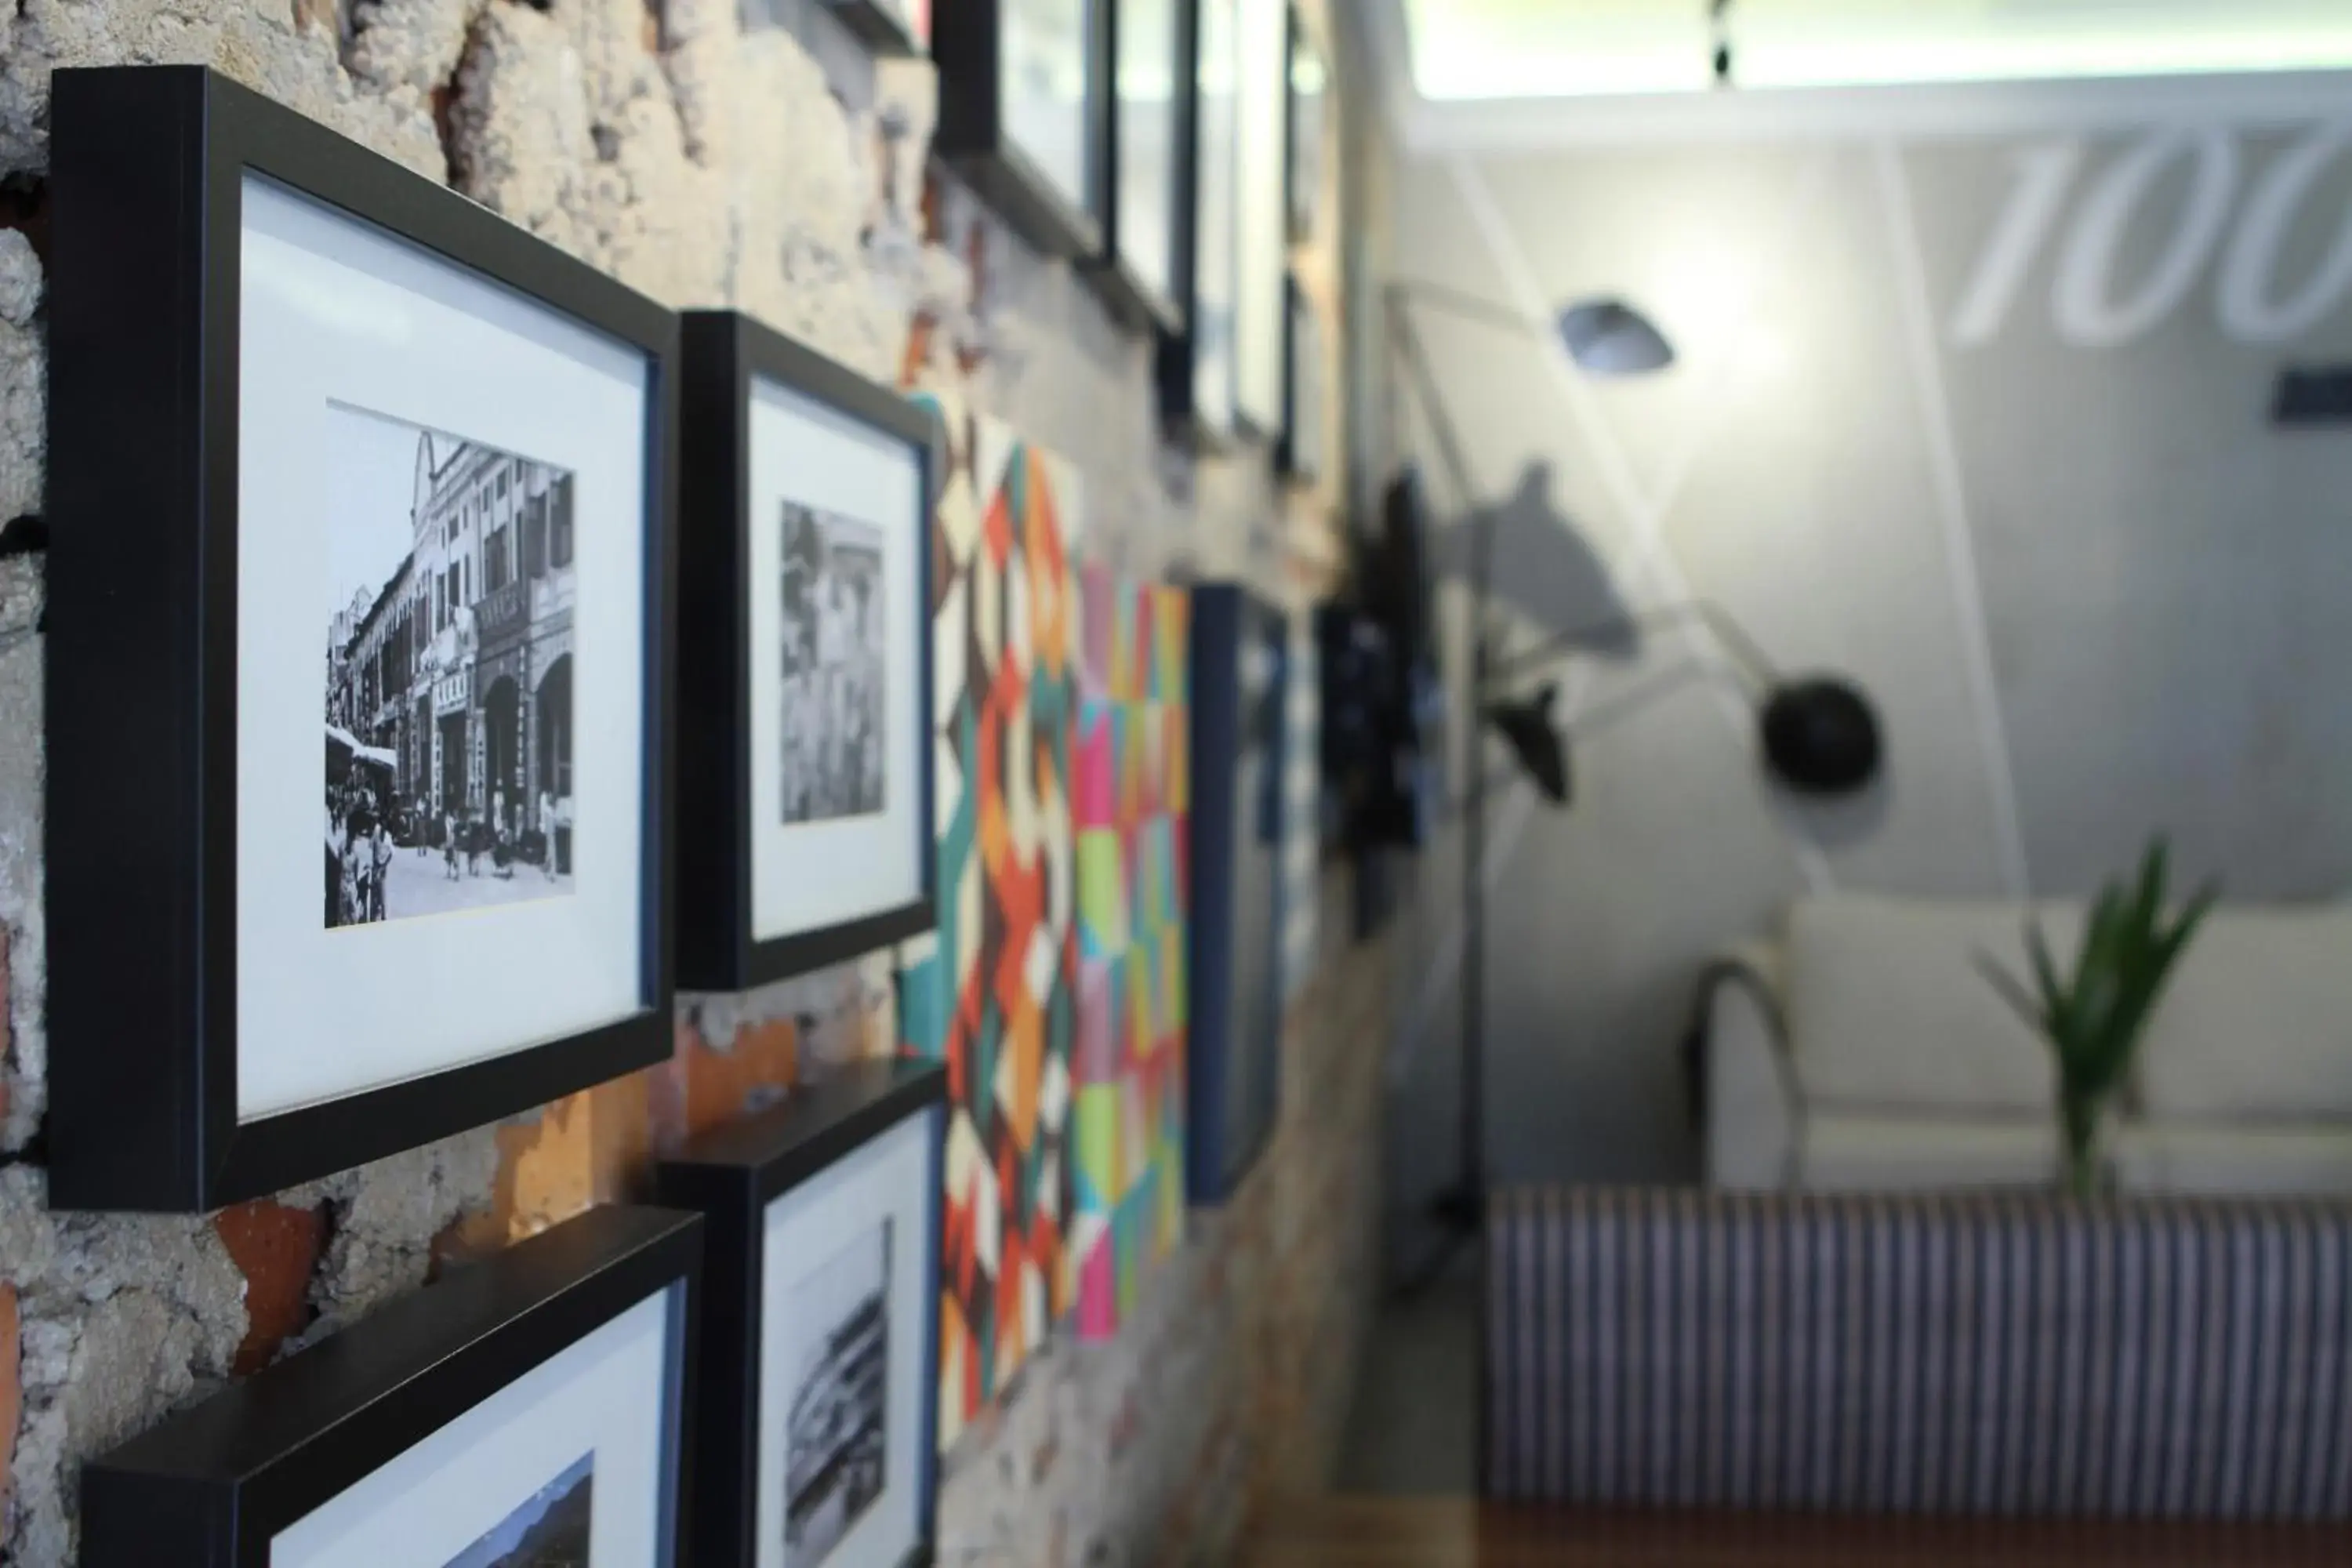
(2092, 307)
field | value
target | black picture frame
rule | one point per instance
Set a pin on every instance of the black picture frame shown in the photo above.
(723, 352)
(966, 45)
(1176, 362)
(146, 166)
(1130, 297)
(730, 1175)
(885, 27)
(1232, 1055)
(214, 1485)
(1305, 131)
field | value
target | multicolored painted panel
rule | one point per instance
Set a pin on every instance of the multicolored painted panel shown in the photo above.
(1133, 798)
(996, 998)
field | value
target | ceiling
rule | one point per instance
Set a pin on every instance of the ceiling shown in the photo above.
(1469, 50)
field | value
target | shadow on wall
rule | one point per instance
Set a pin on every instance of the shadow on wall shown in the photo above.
(1544, 568)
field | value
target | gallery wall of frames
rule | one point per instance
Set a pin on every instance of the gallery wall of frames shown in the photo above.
(656, 652)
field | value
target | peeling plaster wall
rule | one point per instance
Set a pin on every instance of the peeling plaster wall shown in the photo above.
(762, 161)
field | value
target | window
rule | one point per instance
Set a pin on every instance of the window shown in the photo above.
(503, 481)
(494, 561)
(534, 537)
(559, 525)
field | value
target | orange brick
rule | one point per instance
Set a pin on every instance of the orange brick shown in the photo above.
(277, 1250)
(712, 1086)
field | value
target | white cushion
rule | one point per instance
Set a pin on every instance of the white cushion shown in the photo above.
(1889, 1011)
(2224, 1161)
(1893, 1153)
(2255, 1023)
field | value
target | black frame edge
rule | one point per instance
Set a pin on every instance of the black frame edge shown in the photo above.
(234, 1471)
(972, 137)
(730, 1175)
(878, 27)
(124, 676)
(716, 949)
(148, 548)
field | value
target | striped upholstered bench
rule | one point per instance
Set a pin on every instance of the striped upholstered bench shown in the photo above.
(1915, 1353)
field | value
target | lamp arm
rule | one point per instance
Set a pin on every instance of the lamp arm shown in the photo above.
(1742, 648)
(1423, 380)
(1468, 307)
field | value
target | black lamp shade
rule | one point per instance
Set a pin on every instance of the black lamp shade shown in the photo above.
(1820, 736)
(1609, 337)
(1525, 725)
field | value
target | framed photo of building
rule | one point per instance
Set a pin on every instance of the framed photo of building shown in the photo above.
(888, 26)
(531, 1411)
(805, 754)
(361, 499)
(1240, 691)
(1146, 152)
(1024, 90)
(818, 1444)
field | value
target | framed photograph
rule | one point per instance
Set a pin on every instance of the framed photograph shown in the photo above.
(1261, 223)
(362, 505)
(818, 1446)
(1196, 364)
(532, 1411)
(1305, 413)
(1023, 92)
(1309, 82)
(1151, 119)
(805, 674)
(1239, 688)
(888, 26)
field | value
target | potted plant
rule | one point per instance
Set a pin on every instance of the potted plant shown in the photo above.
(2094, 1017)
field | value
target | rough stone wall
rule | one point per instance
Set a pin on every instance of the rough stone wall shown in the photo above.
(708, 158)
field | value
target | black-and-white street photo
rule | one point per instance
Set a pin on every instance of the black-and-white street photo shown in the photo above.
(835, 1434)
(450, 593)
(833, 666)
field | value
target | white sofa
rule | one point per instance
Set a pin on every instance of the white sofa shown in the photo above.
(1862, 1049)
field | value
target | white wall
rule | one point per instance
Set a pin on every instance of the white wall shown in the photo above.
(2004, 461)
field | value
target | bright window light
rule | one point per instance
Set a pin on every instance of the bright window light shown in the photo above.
(1557, 48)
(1825, 43)
(1468, 49)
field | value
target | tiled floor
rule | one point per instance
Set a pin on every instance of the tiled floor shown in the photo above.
(1413, 1431)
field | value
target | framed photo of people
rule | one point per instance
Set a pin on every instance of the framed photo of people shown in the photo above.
(531, 1411)
(805, 673)
(818, 1445)
(363, 516)
(1147, 132)
(1023, 91)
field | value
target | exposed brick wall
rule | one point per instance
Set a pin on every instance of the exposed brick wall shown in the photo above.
(707, 160)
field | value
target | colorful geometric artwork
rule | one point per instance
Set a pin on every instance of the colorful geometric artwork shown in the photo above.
(996, 998)
(1133, 792)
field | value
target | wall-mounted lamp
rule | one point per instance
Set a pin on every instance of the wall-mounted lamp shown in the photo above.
(1817, 735)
